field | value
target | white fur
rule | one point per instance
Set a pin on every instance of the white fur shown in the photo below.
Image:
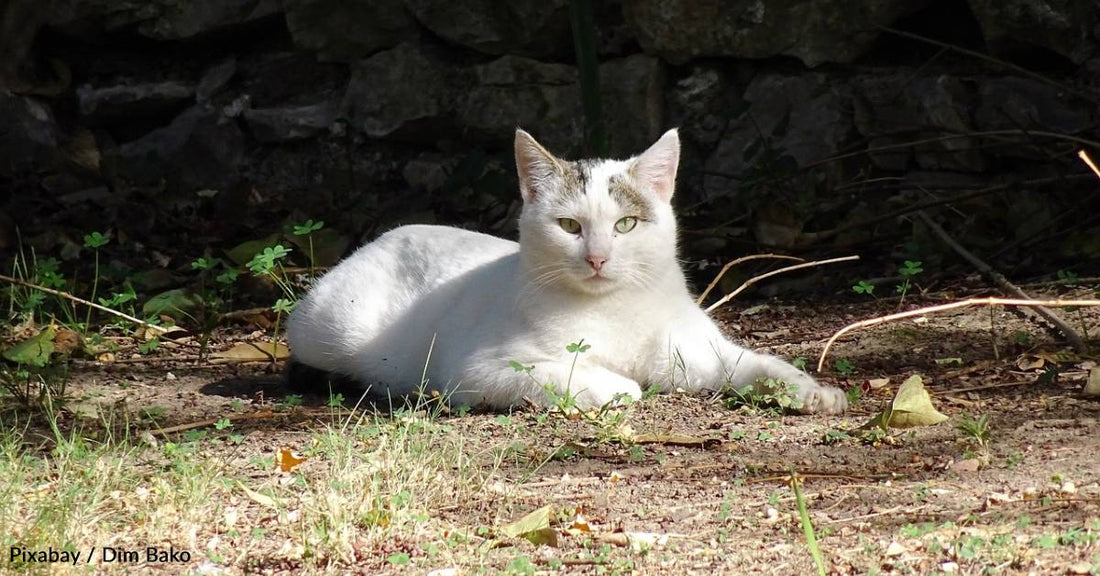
(486, 301)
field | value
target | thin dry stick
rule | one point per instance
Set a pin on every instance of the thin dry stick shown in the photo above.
(79, 300)
(756, 279)
(1085, 157)
(733, 263)
(204, 423)
(998, 279)
(990, 301)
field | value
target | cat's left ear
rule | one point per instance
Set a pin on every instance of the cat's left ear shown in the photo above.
(656, 167)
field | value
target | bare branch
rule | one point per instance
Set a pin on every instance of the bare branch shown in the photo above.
(79, 300)
(733, 263)
(990, 301)
(756, 279)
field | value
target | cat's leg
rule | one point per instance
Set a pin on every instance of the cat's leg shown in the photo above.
(701, 358)
(589, 386)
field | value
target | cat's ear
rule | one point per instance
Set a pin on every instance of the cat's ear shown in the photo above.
(537, 168)
(656, 167)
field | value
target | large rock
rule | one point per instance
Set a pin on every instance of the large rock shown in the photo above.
(1021, 103)
(515, 91)
(105, 104)
(346, 30)
(633, 103)
(290, 123)
(28, 135)
(545, 99)
(200, 149)
(814, 32)
(1067, 27)
(895, 109)
(406, 91)
(175, 20)
(525, 27)
(804, 117)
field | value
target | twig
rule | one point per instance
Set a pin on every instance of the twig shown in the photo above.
(998, 279)
(946, 137)
(998, 61)
(756, 279)
(985, 387)
(78, 300)
(826, 234)
(213, 421)
(1085, 157)
(989, 301)
(733, 263)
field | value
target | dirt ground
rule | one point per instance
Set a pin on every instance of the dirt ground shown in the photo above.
(717, 499)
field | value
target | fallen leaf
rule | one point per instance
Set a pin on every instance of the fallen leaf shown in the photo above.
(1092, 387)
(287, 460)
(253, 352)
(967, 465)
(35, 350)
(328, 246)
(949, 361)
(876, 383)
(673, 439)
(261, 499)
(912, 406)
(176, 304)
(242, 253)
(1029, 362)
(534, 527)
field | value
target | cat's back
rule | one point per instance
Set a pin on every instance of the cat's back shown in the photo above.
(363, 294)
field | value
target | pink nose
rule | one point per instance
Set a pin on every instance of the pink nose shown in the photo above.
(596, 262)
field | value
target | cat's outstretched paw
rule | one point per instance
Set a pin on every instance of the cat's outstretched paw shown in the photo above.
(600, 388)
(818, 399)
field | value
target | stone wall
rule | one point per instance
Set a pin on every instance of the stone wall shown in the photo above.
(373, 112)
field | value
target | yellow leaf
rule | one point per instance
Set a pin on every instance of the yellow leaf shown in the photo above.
(253, 352)
(912, 406)
(534, 527)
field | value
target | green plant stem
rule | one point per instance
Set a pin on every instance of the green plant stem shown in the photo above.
(95, 286)
(311, 263)
(807, 526)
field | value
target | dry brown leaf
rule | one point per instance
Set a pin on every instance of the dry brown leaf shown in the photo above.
(253, 352)
(288, 460)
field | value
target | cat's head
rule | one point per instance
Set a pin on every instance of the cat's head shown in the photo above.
(597, 225)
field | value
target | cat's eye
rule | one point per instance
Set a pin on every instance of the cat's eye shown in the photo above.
(626, 224)
(570, 225)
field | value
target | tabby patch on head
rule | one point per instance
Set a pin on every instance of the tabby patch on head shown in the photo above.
(600, 223)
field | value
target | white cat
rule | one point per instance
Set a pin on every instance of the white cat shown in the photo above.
(596, 261)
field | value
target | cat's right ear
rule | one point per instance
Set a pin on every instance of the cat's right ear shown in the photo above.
(537, 168)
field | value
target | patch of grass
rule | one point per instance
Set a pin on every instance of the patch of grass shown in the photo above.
(368, 482)
(909, 270)
(844, 367)
(976, 430)
(769, 396)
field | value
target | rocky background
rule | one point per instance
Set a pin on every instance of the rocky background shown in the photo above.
(813, 128)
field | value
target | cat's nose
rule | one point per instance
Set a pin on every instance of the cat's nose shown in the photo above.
(596, 262)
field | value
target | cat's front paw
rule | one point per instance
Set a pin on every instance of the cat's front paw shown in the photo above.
(600, 388)
(818, 399)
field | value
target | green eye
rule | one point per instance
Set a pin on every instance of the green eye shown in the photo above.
(626, 224)
(570, 225)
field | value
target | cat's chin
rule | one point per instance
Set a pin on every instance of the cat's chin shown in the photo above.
(596, 284)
